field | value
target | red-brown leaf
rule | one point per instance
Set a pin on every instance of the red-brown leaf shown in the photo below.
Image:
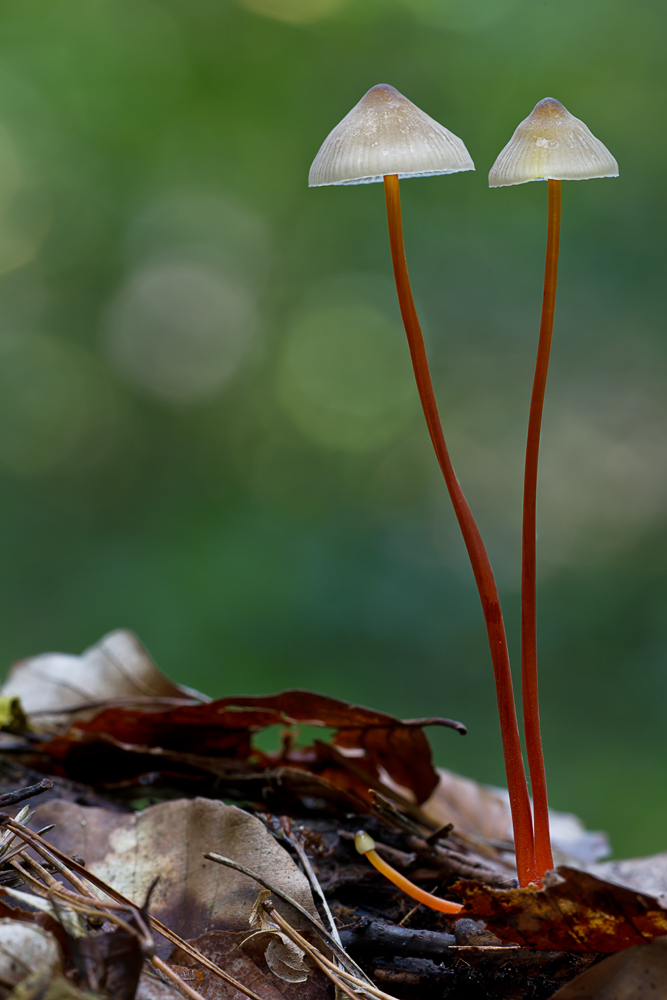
(575, 911)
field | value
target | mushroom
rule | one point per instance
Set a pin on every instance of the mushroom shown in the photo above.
(365, 844)
(386, 137)
(552, 145)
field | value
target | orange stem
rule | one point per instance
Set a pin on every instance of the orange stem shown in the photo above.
(531, 712)
(486, 585)
(408, 887)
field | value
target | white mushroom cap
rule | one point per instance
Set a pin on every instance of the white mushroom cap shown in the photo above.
(552, 144)
(385, 133)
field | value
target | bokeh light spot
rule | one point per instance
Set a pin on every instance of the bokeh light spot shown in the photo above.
(179, 331)
(345, 378)
(193, 224)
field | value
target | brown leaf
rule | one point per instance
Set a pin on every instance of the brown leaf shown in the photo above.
(225, 949)
(111, 962)
(638, 973)
(127, 850)
(575, 911)
(374, 747)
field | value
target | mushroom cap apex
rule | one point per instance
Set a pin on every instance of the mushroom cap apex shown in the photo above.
(551, 144)
(385, 133)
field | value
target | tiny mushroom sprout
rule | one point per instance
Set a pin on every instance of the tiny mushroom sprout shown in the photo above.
(366, 845)
(552, 145)
(386, 137)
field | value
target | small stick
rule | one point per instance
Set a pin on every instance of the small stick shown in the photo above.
(296, 842)
(12, 798)
(167, 971)
(392, 815)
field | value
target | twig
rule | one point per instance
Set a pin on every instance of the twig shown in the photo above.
(315, 925)
(392, 815)
(296, 841)
(377, 937)
(338, 983)
(167, 971)
(20, 794)
(404, 920)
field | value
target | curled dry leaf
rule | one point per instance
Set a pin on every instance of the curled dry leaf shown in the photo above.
(285, 959)
(575, 911)
(117, 667)
(193, 896)
(638, 973)
(26, 948)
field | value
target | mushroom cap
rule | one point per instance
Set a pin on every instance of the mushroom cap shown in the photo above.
(385, 133)
(551, 144)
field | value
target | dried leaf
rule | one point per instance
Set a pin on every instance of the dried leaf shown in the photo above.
(26, 948)
(285, 959)
(369, 749)
(224, 948)
(151, 988)
(483, 811)
(70, 696)
(638, 973)
(473, 808)
(193, 895)
(112, 962)
(117, 667)
(645, 874)
(575, 911)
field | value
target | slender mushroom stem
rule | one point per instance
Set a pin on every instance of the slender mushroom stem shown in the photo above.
(486, 585)
(366, 845)
(531, 712)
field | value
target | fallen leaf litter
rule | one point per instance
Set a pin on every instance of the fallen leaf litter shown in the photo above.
(112, 719)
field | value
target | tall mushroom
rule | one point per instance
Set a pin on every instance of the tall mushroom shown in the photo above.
(552, 145)
(386, 137)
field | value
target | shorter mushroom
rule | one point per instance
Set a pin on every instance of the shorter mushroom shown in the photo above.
(366, 845)
(552, 145)
(385, 137)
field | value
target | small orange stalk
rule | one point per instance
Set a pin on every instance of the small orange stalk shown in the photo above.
(531, 712)
(366, 845)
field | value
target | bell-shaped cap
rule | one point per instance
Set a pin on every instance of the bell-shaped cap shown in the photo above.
(551, 144)
(385, 133)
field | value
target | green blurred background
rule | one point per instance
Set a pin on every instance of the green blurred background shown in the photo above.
(208, 429)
